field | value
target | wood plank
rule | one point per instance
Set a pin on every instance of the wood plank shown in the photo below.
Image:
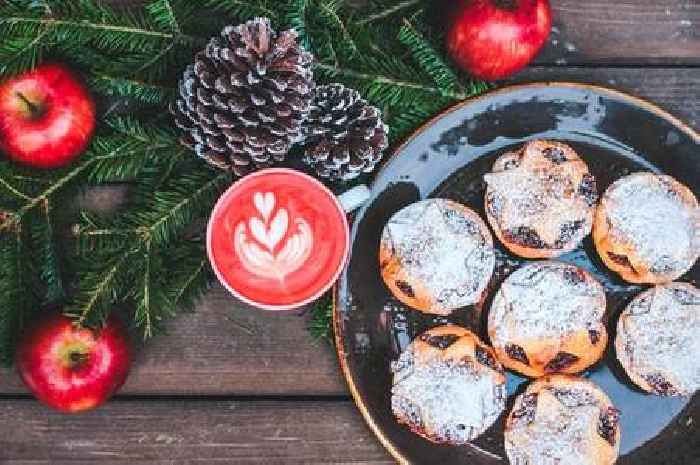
(676, 90)
(189, 432)
(225, 348)
(625, 31)
(228, 348)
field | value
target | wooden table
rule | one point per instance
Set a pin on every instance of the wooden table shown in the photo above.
(235, 386)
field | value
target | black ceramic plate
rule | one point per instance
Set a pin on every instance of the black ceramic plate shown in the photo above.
(616, 134)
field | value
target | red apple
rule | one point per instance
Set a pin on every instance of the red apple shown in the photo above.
(73, 369)
(46, 117)
(492, 39)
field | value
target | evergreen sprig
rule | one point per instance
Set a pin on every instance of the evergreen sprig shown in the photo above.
(148, 258)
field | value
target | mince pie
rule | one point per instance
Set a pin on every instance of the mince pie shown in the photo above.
(658, 339)
(448, 386)
(547, 317)
(647, 228)
(436, 255)
(562, 420)
(540, 199)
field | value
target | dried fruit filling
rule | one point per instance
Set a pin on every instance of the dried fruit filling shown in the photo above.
(485, 357)
(516, 352)
(560, 362)
(440, 342)
(607, 424)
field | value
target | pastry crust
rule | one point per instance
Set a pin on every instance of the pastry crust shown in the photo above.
(547, 317)
(540, 199)
(658, 339)
(647, 228)
(448, 386)
(436, 255)
(565, 420)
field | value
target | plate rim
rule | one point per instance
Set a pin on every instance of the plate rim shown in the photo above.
(338, 337)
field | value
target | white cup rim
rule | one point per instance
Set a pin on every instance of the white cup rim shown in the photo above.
(230, 192)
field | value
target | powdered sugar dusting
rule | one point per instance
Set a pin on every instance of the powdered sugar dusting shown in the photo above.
(449, 400)
(532, 192)
(562, 432)
(659, 333)
(645, 210)
(445, 250)
(546, 300)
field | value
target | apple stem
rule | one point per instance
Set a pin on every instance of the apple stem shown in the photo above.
(78, 358)
(506, 4)
(33, 108)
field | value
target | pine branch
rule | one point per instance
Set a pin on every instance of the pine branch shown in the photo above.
(101, 285)
(163, 14)
(150, 226)
(178, 203)
(329, 11)
(128, 41)
(17, 299)
(244, 10)
(321, 323)
(43, 240)
(295, 18)
(191, 274)
(428, 59)
(380, 80)
(389, 11)
(94, 163)
(145, 92)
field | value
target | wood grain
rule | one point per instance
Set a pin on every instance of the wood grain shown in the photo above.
(189, 432)
(226, 348)
(676, 90)
(624, 31)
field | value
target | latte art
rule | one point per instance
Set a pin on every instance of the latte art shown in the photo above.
(277, 239)
(265, 245)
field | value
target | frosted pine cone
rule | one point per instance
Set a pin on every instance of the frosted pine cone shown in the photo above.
(345, 136)
(241, 104)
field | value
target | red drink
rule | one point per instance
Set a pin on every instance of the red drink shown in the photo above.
(277, 239)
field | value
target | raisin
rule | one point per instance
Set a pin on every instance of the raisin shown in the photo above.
(527, 408)
(607, 424)
(441, 342)
(660, 385)
(574, 276)
(485, 357)
(560, 362)
(516, 352)
(405, 288)
(567, 231)
(620, 260)
(594, 335)
(588, 190)
(526, 237)
(555, 155)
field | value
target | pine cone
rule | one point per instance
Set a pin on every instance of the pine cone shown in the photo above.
(241, 104)
(345, 135)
